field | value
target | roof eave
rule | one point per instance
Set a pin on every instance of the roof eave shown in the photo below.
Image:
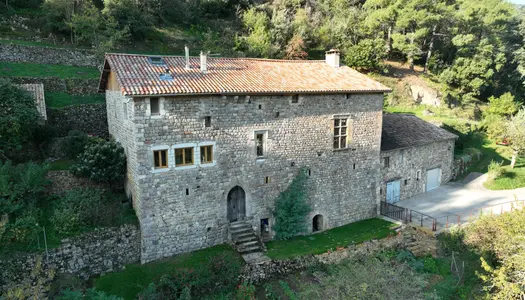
(258, 93)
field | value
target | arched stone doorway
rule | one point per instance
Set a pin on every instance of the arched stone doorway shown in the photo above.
(317, 223)
(236, 204)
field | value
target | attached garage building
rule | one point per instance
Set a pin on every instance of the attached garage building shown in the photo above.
(416, 157)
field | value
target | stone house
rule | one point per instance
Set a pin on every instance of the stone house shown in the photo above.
(211, 142)
(416, 157)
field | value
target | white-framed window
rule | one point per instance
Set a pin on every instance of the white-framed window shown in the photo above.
(341, 133)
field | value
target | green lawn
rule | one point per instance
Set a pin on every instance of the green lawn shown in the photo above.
(343, 236)
(131, 281)
(61, 164)
(32, 43)
(9, 69)
(511, 179)
(58, 99)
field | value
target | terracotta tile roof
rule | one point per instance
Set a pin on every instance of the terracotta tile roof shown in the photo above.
(403, 130)
(37, 91)
(137, 75)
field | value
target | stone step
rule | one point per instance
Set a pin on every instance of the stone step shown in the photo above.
(248, 243)
(245, 239)
(239, 224)
(240, 230)
(244, 236)
(250, 249)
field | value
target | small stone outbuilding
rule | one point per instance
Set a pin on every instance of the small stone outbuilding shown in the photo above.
(416, 157)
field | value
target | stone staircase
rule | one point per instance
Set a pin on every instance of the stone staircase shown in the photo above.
(244, 238)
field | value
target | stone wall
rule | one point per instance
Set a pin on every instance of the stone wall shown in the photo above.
(462, 163)
(98, 252)
(49, 55)
(89, 118)
(182, 209)
(406, 163)
(72, 86)
(64, 181)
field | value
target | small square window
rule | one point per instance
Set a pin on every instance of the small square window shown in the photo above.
(184, 157)
(207, 121)
(260, 106)
(154, 106)
(267, 179)
(295, 99)
(206, 154)
(386, 162)
(161, 159)
(347, 96)
(406, 181)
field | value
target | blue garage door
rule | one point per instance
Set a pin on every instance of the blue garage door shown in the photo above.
(393, 191)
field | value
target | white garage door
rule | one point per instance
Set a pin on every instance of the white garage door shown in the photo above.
(433, 178)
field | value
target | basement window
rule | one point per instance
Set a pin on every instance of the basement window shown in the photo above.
(184, 157)
(158, 61)
(161, 159)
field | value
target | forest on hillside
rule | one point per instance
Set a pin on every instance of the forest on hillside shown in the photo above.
(474, 49)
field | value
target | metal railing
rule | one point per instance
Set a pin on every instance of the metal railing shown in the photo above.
(407, 215)
(463, 217)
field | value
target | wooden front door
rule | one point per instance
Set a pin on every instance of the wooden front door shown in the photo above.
(236, 204)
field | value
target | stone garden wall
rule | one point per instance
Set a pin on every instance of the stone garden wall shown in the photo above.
(49, 55)
(98, 252)
(89, 118)
(64, 181)
(72, 86)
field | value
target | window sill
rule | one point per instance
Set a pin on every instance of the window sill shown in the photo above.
(185, 167)
(206, 165)
(157, 116)
(160, 170)
(343, 149)
(260, 159)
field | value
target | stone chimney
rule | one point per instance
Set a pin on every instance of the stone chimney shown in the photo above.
(187, 52)
(204, 62)
(332, 57)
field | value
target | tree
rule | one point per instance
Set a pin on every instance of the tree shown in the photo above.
(367, 55)
(504, 105)
(291, 209)
(19, 117)
(516, 133)
(135, 16)
(103, 162)
(296, 49)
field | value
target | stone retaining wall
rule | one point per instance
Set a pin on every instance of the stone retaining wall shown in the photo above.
(98, 252)
(89, 118)
(64, 181)
(461, 164)
(48, 55)
(72, 86)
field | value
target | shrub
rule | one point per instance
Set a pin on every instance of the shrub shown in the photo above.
(495, 169)
(219, 275)
(103, 162)
(75, 143)
(245, 292)
(79, 209)
(291, 209)
(90, 294)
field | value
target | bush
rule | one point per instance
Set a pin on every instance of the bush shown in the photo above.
(75, 143)
(77, 210)
(367, 55)
(218, 275)
(103, 162)
(90, 294)
(495, 169)
(291, 209)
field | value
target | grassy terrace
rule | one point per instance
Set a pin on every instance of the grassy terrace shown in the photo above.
(8, 69)
(343, 236)
(136, 277)
(58, 99)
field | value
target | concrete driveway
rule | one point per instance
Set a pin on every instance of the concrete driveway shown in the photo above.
(461, 198)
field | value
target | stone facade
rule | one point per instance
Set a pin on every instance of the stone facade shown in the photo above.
(98, 252)
(185, 208)
(72, 86)
(410, 165)
(48, 55)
